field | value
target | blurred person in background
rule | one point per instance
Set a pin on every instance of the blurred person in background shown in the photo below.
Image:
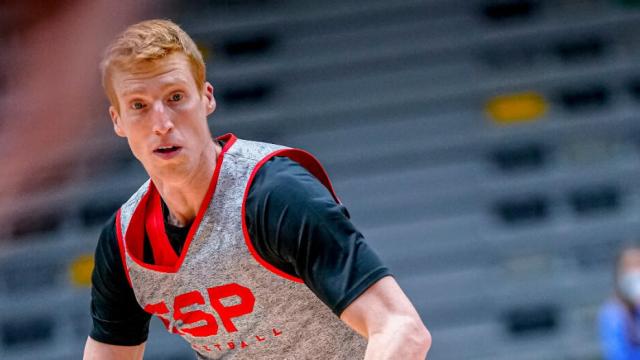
(619, 319)
(240, 247)
(49, 86)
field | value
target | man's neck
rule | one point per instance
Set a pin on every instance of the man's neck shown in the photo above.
(183, 199)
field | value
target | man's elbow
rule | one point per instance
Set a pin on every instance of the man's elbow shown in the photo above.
(419, 335)
(416, 338)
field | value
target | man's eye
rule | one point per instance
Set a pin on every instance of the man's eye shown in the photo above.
(137, 105)
(176, 97)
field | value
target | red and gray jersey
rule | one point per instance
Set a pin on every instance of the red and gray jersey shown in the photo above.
(219, 294)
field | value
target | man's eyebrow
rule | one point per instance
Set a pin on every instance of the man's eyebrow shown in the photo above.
(128, 92)
(173, 81)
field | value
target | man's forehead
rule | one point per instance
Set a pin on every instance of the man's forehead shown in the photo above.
(133, 83)
(159, 73)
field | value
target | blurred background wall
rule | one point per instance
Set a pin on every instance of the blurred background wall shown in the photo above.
(488, 150)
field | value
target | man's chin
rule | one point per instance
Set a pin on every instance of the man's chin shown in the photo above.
(169, 171)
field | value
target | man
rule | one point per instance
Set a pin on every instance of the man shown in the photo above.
(240, 247)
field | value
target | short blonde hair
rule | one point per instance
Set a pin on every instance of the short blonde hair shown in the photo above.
(146, 42)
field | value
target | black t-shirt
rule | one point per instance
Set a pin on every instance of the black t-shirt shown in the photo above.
(294, 224)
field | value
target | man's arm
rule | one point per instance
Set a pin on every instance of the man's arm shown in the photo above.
(296, 225)
(385, 316)
(94, 350)
(120, 326)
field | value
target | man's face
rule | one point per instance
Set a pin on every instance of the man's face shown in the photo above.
(163, 115)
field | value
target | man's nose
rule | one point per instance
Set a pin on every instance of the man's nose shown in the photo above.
(162, 123)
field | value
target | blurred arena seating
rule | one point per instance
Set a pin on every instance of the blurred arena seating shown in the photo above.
(488, 150)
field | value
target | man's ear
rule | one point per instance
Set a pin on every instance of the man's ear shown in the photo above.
(208, 94)
(115, 118)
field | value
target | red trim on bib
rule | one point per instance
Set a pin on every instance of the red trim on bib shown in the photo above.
(163, 252)
(133, 239)
(312, 165)
(150, 206)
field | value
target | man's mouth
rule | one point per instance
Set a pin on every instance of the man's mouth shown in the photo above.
(167, 151)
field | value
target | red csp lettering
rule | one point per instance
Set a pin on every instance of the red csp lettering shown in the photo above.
(190, 317)
(247, 300)
(216, 294)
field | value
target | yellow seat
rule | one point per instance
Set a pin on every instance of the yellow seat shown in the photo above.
(80, 270)
(516, 108)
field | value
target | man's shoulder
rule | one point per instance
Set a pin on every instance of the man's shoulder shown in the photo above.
(280, 175)
(283, 185)
(137, 195)
(251, 149)
(281, 166)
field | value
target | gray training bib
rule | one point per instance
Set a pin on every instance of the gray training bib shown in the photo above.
(219, 295)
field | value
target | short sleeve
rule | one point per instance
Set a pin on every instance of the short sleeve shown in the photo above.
(296, 225)
(117, 317)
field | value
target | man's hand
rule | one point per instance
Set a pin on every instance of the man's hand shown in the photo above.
(385, 316)
(95, 350)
